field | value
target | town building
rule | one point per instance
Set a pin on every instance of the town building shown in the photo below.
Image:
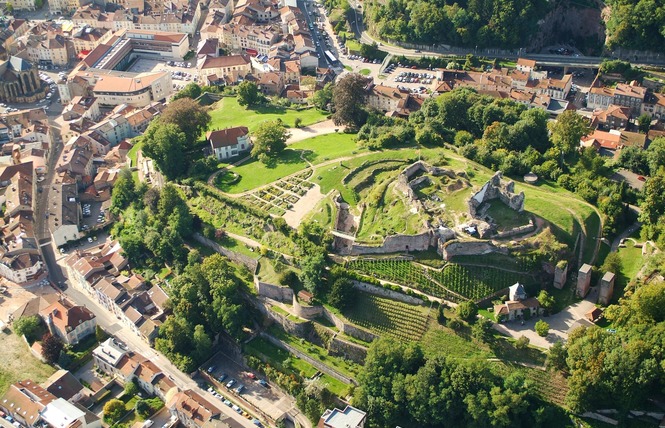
(19, 82)
(24, 401)
(518, 305)
(61, 413)
(229, 142)
(350, 417)
(192, 410)
(69, 322)
(234, 66)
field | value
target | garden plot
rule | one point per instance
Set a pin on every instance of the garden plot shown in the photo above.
(281, 196)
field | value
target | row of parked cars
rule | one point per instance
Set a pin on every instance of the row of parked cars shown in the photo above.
(360, 58)
(413, 77)
(238, 388)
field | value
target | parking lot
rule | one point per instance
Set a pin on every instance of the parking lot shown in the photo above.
(181, 71)
(255, 394)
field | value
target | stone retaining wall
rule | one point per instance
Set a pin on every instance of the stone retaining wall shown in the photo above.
(468, 248)
(349, 329)
(384, 292)
(306, 311)
(272, 291)
(397, 244)
(352, 351)
(232, 255)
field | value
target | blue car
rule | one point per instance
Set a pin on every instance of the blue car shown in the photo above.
(222, 377)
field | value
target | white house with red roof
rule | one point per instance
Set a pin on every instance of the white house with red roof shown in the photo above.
(229, 142)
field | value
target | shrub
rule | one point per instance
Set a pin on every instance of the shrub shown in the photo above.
(522, 342)
(542, 328)
(114, 409)
(455, 324)
(467, 311)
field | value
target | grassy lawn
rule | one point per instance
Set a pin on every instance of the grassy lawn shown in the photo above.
(324, 213)
(505, 217)
(16, 363)
(133, 152)
(365, 72)
(353, 46)
(328, 146)
(228, 113)
(266, 272)
(254, 173)
(237, 246)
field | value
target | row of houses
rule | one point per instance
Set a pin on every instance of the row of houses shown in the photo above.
(102, 273)
(25, 139)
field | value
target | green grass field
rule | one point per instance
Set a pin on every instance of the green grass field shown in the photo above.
(388, 317)
(254, 174)
(16, 363)
(328, 146)
(228, 113)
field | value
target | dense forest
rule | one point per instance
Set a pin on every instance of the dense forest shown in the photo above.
(635, 24)
(481, 23)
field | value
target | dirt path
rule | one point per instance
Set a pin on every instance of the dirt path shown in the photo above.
(320, 128)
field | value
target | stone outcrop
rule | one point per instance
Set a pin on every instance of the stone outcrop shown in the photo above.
(497, 188)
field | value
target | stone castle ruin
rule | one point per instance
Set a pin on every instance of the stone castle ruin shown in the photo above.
(497, 188)
(407, 185)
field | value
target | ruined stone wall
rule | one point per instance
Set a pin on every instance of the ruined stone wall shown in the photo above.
(519, 230)
(397, 243)
(451, 249)
(497, 188)
(272, 291)
(300, 329)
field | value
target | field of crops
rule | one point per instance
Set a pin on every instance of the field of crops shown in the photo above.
(388, 317)
(476, 282)
(470, 282)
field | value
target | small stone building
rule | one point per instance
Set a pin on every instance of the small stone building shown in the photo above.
(606, 288)
(583, 280)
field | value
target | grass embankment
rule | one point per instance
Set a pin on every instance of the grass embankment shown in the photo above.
(228, 113)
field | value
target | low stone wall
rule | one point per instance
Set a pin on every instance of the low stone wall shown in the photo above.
(384, 292)
(300, 329)
(397, 244)
(272, 291)
(352, 351)
(468, 248)
(305, 311)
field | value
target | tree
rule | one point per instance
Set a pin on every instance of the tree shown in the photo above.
(248, 94)
(556, 357)
(9, 8)
(567, 132)
(323, 97)
(644, 123)
(342, 294)
(28, 326)
(522, 342)
(269, 139)
(165, 143)
(481, 329)
(655, 155)
(612, 263)
(191, 90)
(131, 388)
(546, 300)
(467, 311)
(297, 122)
(202, 344)
(51, 348)
(124, 191)
(349, 100)
(369, 51)
(635, 159)
(542, 328)
(311, 275)
(114, 409)
(143, 408)
(189, 116)
(441, 315)
(100, 334)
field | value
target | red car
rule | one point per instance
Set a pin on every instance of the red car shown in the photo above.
(641, 178)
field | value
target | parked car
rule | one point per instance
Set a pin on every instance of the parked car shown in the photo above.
(211, 368)
(231, 383)
(222, 377)
(263, 383)
(240, 388)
